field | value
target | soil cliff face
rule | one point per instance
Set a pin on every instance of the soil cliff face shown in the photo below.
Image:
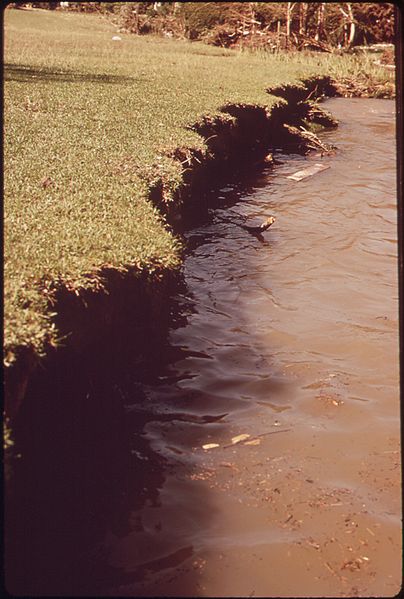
(133, 311)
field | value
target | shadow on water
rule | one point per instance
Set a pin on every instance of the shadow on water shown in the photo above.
(87, 467)
(84, 464)
(82, 467)
(28, 73)
(228, 188)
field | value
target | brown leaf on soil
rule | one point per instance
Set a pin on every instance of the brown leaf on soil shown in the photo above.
(46, 182)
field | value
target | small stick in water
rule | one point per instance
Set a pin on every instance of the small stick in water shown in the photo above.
(260, 228)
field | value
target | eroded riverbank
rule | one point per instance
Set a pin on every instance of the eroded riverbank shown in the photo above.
(245, 358)
(89, 313)
(293, 341)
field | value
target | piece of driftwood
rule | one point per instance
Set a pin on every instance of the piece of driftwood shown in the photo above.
(308, 172)
(256, 230)
(253, 229)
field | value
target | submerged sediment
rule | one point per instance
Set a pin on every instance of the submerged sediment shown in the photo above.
(131, 309)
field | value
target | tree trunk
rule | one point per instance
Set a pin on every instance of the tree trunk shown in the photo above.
(320, 21)
(253, 23)
(289, 11)
(349, 20)
(302, 18)
(351, 25)
(278, 36)
(137, 18)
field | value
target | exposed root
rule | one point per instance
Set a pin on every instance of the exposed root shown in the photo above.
(322, 117)
(308, 140)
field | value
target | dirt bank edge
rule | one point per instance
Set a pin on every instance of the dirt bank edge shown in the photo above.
(131, 307)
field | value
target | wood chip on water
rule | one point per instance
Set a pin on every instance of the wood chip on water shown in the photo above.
(308, 172)
(253, 442)
(239, 438)
(210, 445)
(312, 543)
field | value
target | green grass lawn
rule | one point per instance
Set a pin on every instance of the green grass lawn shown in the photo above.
(88, 123)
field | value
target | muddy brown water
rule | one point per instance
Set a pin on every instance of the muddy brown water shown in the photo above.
(291, 339)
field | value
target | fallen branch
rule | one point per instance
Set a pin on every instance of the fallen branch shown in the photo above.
(312, 138)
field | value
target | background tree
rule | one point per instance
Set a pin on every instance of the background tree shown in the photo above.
(269, 25)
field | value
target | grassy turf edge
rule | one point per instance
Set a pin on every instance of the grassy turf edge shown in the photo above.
(239, 131)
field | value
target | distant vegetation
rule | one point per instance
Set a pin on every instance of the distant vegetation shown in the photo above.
(257, 25)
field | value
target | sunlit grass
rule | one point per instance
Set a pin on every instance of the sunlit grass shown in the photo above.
(359, 69)
(88, 122)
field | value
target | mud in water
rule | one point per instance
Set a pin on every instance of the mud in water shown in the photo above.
(282, 361)
(291, 339)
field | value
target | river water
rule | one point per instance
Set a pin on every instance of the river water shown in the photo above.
(292, 339)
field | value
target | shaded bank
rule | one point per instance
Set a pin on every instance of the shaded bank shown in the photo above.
(80, 460)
